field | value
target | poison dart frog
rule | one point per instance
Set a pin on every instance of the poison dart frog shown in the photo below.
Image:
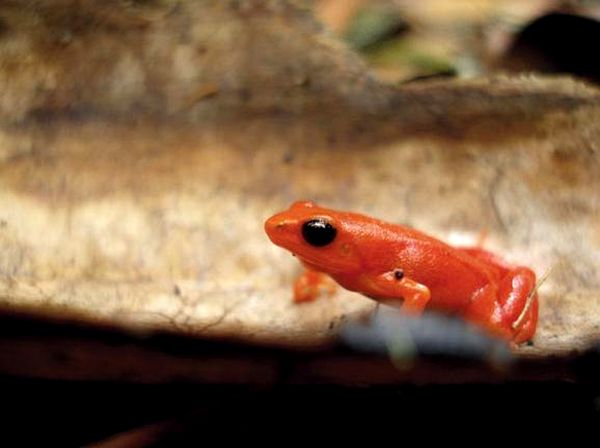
(392, 263)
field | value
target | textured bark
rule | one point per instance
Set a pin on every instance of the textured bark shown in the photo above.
(143, 144)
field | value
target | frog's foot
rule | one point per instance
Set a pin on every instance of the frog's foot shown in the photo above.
(416, 296)
(311, 284)
(518, 301)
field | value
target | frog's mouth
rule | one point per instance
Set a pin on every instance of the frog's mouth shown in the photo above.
(323, 262)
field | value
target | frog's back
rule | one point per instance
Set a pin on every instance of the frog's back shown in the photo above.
(423, 258)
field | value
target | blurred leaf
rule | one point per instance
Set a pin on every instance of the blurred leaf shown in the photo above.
(405, 53)
(374, 25)
(402, 337)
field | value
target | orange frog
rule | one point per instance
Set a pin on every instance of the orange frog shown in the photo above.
(393, 263)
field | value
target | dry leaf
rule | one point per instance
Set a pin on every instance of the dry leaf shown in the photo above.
(122, 206)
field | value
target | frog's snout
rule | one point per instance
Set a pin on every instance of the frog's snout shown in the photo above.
(277, 228)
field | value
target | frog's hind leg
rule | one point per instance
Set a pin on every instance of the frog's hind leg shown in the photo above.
(516, 297)
(510, 309)
(484, 310)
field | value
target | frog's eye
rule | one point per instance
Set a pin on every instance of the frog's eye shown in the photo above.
(318, 232)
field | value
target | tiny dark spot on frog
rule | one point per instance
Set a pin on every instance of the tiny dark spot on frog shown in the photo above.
(288, 158)
(331, 324)
(529, 344)
(176, 290)
(3, 223)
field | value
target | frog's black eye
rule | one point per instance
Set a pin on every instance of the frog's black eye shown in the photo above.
(318, 232)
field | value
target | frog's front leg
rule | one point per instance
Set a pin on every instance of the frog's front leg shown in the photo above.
(394, 285)
(311, 284)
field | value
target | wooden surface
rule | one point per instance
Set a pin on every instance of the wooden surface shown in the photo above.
(137, 169)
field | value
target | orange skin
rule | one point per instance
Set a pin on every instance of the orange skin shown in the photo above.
(393, 263)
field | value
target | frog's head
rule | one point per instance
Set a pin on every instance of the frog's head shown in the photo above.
(320, 237)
